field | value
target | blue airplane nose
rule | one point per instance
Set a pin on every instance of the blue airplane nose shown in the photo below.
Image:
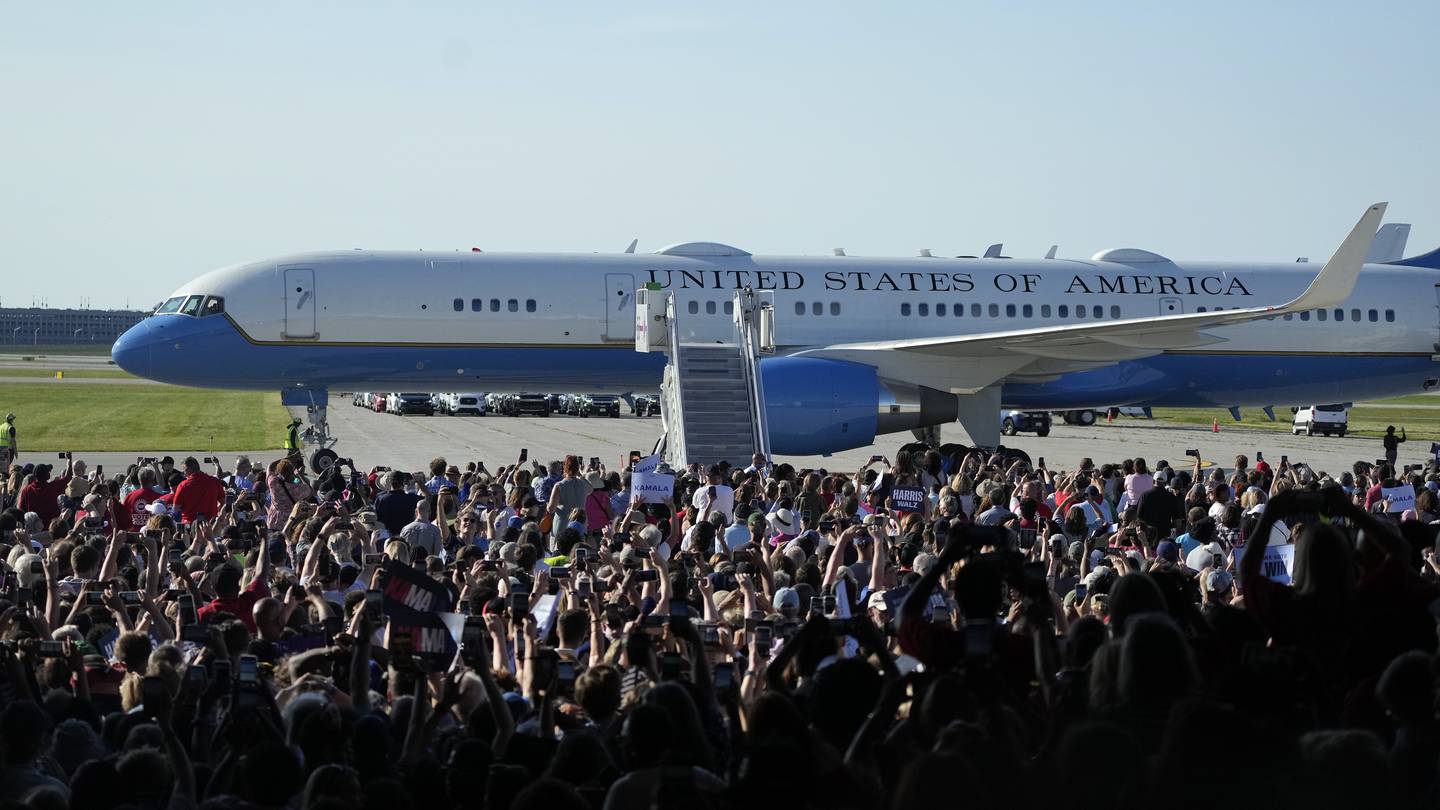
(132, 351)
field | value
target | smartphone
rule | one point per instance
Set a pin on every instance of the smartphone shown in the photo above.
(1259, 456)
(209, 460)
(635, 458)
(565, 674)
(764, 637)
(876, 458)
(724, 677)
(524, 454)
(194, 633)
(842, 627)
(671, 665)
(647, 575)
(829, 604)
(153, 694)
(63, 455)
(559, 572)
(653, 620)
(584, 586)
(187, 610)
(1080, 591)
(710, 635)
(374, 605)
(594, 462)
(195, 676)
(95, 598)
(1284, 459)
(247, 681)
(37, 567)
(130, 597)
(472, 642)
(1040, 463)
(373, 560)
(52, 649)
(220, 668)
(519, 604)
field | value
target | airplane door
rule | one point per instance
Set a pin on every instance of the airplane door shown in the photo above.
(620, 307)
(299, 302)
(1171, 306)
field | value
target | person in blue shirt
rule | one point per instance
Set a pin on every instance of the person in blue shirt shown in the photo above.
(1201, 531)
(553, 477)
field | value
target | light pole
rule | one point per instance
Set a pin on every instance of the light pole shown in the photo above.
(77, 334)
(37, 336)
(15, 336)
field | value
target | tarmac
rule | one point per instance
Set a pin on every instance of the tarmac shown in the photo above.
(409, 442)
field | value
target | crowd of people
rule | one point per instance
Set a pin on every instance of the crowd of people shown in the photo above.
(953, 628)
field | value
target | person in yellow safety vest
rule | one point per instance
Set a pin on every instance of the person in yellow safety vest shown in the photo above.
(292, 438)
(8, 448)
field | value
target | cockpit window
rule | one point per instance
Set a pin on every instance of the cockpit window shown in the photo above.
(173, 305)
(214, 305)
(192, 305)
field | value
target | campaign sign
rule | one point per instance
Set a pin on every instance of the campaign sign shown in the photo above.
(652, 487)
(648, 464)
(1278, 564)
(907, 499)
(406, 589)
(1401, 498)
(426, 635)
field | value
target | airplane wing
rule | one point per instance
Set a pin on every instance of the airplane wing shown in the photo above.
(970, 363)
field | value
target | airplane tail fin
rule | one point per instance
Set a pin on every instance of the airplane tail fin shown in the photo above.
(1429, 260)
(1389, 243)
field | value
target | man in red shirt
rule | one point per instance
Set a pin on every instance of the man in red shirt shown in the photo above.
(42, 496)
(137, 503)
(199, 494)
(228, 596)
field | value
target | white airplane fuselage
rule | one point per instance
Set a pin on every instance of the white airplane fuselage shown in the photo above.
(369, 320)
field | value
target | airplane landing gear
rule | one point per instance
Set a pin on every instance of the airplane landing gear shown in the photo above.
(318, 433)
(316, 436)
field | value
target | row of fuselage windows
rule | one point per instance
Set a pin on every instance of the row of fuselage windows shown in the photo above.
(495, 304)
(1094, 311)
(1010, 310)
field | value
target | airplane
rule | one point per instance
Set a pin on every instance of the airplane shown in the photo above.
(867, 346)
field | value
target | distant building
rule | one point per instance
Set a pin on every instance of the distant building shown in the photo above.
(33, 326)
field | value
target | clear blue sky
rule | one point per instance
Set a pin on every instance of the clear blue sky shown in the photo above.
(144, 144)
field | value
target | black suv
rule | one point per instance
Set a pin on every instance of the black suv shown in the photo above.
(530, 405)
(600, 405)
(415, 403)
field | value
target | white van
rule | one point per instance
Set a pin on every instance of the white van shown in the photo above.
(1326, 419)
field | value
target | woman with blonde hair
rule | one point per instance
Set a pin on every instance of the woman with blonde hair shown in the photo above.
(286, 489)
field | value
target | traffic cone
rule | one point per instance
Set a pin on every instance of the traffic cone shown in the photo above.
(1215, 426)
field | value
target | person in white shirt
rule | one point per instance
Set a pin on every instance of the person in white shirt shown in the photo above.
(717, 497)
(1220, 498)
(760, 465)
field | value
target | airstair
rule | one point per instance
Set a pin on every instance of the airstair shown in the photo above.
(712, 399)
